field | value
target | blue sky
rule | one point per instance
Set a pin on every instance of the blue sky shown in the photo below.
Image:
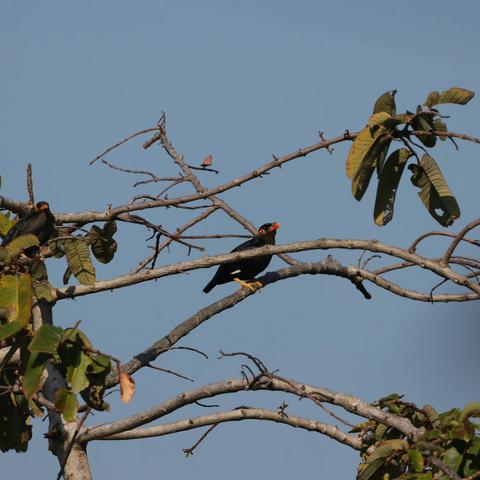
(243, 81)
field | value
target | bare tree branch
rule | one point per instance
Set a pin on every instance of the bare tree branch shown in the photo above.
(239, 415)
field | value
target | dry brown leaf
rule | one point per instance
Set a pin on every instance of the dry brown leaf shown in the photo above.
(127, 387)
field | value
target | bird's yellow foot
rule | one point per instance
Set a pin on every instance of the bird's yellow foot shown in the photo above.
(253, 286)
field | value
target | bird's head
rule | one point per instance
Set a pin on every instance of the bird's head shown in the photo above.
(41, 206)
(268, 228)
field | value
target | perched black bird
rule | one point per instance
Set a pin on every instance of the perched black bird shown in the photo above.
(39, 222)
(250, 268)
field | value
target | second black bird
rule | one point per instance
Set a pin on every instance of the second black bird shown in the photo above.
(246, 270)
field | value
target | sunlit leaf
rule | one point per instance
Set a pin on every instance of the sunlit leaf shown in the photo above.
(33, 376)
(452, 458)
(440, 126)
(417, 459)
(363, 175)
(67, 403)
(77, 374)
(434, 193)
(16, 298)
(9, 329)
(388, 185)
(386, 103)
(46, 339)
(127, 387)
(472, 409)
(6, 223)
(21, 243)
(360, 148)
(79, 262)
(460, 96)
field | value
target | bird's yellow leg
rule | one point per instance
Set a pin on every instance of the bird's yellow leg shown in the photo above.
(253, 286)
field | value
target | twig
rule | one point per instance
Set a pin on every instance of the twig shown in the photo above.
(457, 240)
(121, 142)
(189, 451)
(166, 370)
(31, 197)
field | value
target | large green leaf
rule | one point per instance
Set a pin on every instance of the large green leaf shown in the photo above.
(452, 458)
(77, 374)
(374, 156)
(46, 339)
(362, 145)
(388, 185)
(9, 329)
(417, 459)
(79, 261)
(21, 243)
(460, 96)
(434, 193)
(33, 376)
(67, 403)
(386, 103)
(16, 298)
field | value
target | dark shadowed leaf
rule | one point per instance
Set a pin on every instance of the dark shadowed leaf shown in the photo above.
(460, 96)
(386, 103)
(440, 126)
(388, 185)
(472, 409)
(424, 122)
(434, 193)
(79, 261)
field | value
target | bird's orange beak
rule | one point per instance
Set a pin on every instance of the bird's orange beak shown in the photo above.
(274, 227)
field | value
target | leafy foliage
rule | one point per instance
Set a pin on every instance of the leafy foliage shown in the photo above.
(450, 438)
(370, 148)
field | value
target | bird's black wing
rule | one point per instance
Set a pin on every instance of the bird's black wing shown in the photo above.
(18, 229)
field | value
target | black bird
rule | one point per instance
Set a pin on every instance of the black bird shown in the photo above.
(39, 222)
(250, 268)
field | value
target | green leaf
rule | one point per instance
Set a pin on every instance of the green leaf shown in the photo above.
(452, 458)
(361, 147)
(5, 223)
(79, 261)
(424, 122)
(417, 459)
(434, 193)
(370, 469)
(16, 297)
(33, 378)
(46, 340)
(67, 403)
(388, 185)
(364, 172)
(43, 291)
(77, 374)
(38, 271)
(9, 329)
(21, 243)
(472, 409)
(386, 103)
(460, 96)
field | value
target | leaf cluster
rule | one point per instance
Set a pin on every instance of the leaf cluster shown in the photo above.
(450, 437)
(385, 127)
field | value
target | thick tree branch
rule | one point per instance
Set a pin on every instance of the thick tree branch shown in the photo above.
(321, 244)
(237, 415)
(263, 382)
